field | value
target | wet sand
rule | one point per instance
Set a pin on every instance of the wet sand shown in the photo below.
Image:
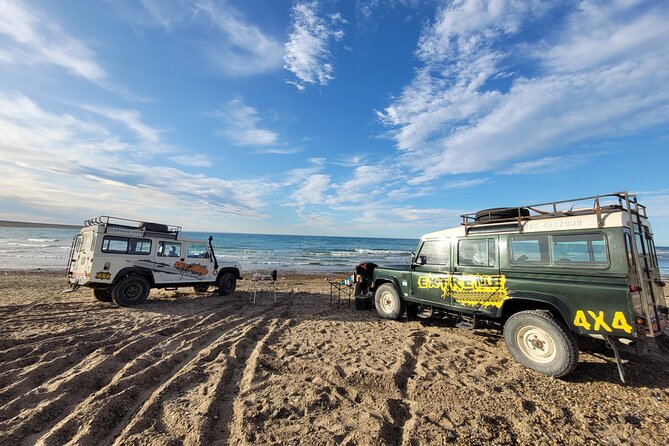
(197, 368)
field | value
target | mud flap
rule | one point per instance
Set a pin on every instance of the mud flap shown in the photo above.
(619, 361)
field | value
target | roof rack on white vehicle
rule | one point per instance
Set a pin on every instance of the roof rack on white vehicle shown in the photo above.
(146, 227)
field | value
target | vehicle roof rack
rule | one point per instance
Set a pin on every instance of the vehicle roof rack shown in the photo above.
(599, 205)
(144, 226)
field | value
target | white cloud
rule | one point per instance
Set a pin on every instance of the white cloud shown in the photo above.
(60, 162)
(41, 41)
(130, 118)
(602, 74)
(196, 160)
(312, 190)
(234, 46)
(242, 125)
(307, 53)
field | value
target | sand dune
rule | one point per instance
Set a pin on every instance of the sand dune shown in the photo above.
(189, 368)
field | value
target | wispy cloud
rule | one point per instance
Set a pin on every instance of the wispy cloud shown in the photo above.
(37, 40)
(59, 161)
(241, 125)
(234, 46)
(600, 74)
(307, 53)
(130, 118)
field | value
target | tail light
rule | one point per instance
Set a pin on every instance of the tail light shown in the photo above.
(640, 320)
(635, 289)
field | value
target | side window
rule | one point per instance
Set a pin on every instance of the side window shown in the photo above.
(583, 250)
(198, 251)
(169, 249)
(125, 245)
(478, 252)
(115, 245)
(139, 246)
(528, 250)
(436, 252)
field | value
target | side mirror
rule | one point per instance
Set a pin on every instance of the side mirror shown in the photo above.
(422, 260)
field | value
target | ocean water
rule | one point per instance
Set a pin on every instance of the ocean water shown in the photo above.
(25, 248)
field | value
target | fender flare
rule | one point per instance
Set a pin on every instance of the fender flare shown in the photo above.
(378, 281)
(136, 270)
(229, 269)
(525, 299)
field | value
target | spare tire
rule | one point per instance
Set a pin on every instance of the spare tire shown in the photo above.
(500, 213)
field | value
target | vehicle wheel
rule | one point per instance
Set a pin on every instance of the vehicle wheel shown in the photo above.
(500, 213)
(227, 284)
(201, 288)
(103, 294)
(539, 341)
(131, 290)
(388, 303)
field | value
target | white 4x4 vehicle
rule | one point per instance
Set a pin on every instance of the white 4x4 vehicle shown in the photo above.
(123, 259)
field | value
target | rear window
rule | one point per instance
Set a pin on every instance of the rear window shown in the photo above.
(125, 245)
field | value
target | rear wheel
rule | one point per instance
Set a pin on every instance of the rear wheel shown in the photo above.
(103, 294)
(227, 284)
(131, 290)
(388, 303)
(539, 341)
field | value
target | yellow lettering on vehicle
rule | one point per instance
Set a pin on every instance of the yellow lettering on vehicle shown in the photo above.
(599, 321)
(620, 322)
(581, 321)
(478, 290)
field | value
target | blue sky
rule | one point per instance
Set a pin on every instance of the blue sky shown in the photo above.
(372, 118)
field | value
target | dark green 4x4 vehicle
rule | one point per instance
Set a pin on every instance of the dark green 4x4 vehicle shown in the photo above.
(552, 274)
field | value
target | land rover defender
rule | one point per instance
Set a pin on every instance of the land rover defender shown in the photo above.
(122, 259)
(550, 274)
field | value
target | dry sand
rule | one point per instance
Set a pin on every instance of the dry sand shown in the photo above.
(189, 368)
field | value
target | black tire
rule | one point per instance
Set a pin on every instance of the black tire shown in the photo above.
(540, 342)
(500, 213)
(103, 294)
(131, 290)
(227, 284)
(388, 303)
(201, 288)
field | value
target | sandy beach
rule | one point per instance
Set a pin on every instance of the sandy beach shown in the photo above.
(197, 368)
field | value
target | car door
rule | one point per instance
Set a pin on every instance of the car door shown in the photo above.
(169, 259)
(430, 272)
(198, 265)
(476, 284)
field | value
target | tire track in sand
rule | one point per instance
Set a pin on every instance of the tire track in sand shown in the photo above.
(108, 373)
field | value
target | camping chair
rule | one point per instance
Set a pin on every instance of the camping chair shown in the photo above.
(258, 279)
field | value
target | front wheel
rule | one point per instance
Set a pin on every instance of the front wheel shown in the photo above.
(131, 290)
(388, 303)
(540, 342)
(227, 284)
